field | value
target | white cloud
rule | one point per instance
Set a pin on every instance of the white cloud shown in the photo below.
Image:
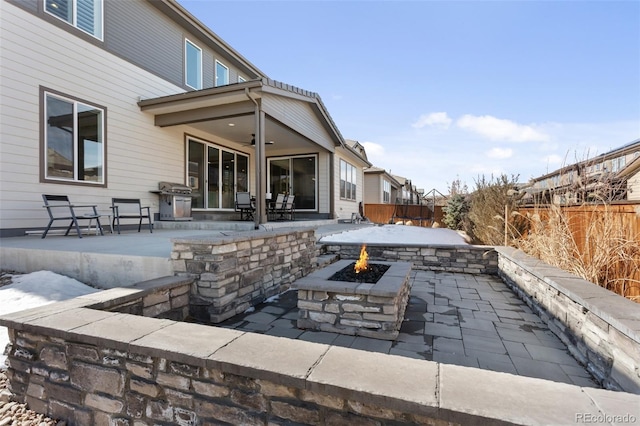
(500, 153)
(500, 129)
(553, 159)
(436, 119)
(374, 151)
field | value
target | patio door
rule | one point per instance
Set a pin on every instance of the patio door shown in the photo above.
(215, 175)
(297, 176)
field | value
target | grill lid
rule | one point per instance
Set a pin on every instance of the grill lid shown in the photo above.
(174, 188)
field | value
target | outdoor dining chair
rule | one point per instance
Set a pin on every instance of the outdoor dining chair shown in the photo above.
(244, 205)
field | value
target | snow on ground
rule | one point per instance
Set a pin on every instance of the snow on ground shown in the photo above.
(397, 234)
(33, 290)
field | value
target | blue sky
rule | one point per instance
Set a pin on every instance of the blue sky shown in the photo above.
(445, 90)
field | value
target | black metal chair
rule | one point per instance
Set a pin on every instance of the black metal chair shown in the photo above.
(130, 208)
(60, 208)
(244, 205)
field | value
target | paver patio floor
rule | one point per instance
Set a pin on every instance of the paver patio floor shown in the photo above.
(463, 319)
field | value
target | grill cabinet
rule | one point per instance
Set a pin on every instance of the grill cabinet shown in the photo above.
(175, 201)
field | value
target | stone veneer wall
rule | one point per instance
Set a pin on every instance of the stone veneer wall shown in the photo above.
(234, 273)
(104, 367)
(452, 258)
(360, 309)
(600, 328)
(91, 367)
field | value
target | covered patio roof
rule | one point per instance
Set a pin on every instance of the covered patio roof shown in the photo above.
(263, 113)
(293, 117)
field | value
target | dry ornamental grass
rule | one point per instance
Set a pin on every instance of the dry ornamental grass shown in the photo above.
(593, 244)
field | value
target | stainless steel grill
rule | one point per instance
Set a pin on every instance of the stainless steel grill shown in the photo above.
(175, 201)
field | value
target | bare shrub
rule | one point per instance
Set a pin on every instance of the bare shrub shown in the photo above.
(487, 211)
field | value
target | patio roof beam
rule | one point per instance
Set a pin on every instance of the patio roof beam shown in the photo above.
(203, 114)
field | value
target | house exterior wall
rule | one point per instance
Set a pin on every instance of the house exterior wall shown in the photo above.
(344, 207)
(633, 187)
(41, 52)
(140, 33)
(372, 188)
(49, 56)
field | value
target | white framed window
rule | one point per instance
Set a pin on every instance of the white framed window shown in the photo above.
(85, 15)
(192, 65)
(241, 79)
(386, 191)
(74, 140)
(215, 174)
(348, 179)
(222, 74)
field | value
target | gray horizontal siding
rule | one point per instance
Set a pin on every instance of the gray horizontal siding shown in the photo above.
(140, 33)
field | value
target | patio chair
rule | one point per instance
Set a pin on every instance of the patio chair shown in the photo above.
(130, 208)
(287, 208)
(60, 208)
(276, 206)
(244, 205)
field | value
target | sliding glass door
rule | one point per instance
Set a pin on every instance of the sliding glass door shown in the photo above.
(297, 176)
(215, 175)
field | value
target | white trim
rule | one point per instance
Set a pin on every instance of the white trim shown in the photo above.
(316, 197)
(74, 103)
(216, 72)
(186, 64)
(205, 183)
(74, 17)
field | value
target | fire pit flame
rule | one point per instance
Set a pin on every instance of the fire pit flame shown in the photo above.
(361, 264)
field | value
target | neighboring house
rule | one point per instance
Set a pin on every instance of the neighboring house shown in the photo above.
(105, 99)
(612, 176)
(408, 194)
(380, 186)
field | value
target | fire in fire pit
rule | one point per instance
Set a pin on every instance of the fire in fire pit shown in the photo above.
(361, 264)
(361, 271)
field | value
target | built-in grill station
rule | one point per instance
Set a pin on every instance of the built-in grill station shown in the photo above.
(175, 201)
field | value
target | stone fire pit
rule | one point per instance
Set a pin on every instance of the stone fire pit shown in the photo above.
(360, 309)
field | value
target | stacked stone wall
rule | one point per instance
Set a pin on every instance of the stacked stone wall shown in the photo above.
(373, 310)
(232, 274)
(600, 328)
(101, 386)
(162, 301)
(459, 259)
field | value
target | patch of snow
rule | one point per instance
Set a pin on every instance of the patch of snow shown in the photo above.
(34, 290)
(272, 299)
(249, 310)
(398, 234)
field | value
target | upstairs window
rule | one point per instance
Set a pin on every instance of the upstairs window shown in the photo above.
(85, 15)
(347, 181)
(193, 65)
(74, 145)
(241, 79)
(222, 74)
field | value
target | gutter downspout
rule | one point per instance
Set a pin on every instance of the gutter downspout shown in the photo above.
(260, 216)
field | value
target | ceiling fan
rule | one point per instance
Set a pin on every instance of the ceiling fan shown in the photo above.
(253, 141)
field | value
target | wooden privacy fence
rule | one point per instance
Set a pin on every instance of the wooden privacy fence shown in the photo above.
(585, 222)
(626, 216)
(418, 215)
